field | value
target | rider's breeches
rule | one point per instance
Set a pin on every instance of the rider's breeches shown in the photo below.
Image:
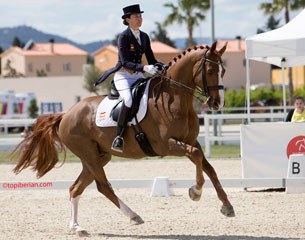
(123, 82)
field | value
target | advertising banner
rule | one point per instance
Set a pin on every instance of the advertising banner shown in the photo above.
(266, 147)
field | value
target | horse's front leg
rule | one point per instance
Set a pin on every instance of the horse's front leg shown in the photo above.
(226, 209)
(177, 148)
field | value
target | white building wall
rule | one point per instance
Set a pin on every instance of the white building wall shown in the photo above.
(49, 89)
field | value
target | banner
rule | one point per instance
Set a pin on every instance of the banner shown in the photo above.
(266, 147)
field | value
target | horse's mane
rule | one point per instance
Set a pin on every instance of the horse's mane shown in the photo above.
(181, 55)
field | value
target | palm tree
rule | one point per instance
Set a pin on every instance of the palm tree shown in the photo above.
(272, 23)
(275, 7)
(161, 35)
(189, 12)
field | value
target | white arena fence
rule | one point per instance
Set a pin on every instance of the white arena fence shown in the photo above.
(230, 136)
(25, 122)
(145, 183)
(207, 135)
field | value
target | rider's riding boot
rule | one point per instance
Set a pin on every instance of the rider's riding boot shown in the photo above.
(118, 142)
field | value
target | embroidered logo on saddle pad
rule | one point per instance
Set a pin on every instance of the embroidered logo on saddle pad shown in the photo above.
(103, 118)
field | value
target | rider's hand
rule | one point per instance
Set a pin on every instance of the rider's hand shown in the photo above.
(151, 69)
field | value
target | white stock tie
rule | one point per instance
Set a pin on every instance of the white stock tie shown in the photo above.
(136, 33)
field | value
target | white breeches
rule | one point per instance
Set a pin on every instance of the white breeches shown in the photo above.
(123, 82)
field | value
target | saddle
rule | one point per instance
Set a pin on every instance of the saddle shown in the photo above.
(137, 92)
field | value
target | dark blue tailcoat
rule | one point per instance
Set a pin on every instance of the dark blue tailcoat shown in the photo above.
(130, 53)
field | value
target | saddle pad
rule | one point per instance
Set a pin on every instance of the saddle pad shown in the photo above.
(103, 118)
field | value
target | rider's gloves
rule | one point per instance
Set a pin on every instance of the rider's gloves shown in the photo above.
(151, 69)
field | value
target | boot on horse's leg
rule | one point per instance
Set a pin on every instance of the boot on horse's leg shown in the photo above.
(118, 142)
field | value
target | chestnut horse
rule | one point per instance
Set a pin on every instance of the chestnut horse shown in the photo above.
(171, 125)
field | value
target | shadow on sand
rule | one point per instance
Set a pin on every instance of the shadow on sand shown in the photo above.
(190, 237)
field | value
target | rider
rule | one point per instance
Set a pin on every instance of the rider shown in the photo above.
(132, 43)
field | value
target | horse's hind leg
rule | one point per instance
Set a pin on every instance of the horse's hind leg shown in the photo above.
(84, 179)
(105, 188)
(95, 162)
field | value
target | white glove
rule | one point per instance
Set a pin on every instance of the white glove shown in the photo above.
(151, 69)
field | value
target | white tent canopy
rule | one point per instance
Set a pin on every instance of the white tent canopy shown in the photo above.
(286, 42)
(283, 47)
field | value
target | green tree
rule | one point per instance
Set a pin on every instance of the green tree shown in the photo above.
(17, 43)
(114, 41)
(276, 7)
(161, 35)
(189, 12)
(91, 74)
(33, 109)
(41, 73)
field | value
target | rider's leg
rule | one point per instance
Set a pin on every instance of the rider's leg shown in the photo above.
(118, 142)
(122, 84)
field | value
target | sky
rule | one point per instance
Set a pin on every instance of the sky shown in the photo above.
(85, 21)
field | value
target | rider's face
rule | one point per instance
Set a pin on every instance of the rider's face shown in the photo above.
(135, 21)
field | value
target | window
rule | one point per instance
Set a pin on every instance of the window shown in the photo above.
(66, 67)
(48, 67)
(30, 67)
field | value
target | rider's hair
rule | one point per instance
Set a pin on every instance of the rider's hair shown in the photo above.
(125, 22)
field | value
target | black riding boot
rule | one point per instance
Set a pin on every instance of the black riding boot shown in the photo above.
(118, 142)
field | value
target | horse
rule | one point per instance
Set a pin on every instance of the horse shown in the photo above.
(171, 125)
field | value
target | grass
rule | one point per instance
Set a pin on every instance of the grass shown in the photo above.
(217, 151)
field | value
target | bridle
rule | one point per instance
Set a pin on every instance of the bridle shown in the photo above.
(205, 87)
(198, 93)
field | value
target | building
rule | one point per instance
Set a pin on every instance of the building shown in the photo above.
(43, 59)
(235, 64)
(107, 56)
(298, 76)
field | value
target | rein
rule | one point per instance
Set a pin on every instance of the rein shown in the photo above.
(197, 92)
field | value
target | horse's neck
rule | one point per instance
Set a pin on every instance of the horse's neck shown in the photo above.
(179, 96)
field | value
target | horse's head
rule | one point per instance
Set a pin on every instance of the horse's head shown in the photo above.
(207, 76)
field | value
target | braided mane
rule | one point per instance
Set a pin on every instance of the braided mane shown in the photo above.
(195, 48)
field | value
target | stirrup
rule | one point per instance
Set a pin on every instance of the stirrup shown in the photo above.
(118, 144)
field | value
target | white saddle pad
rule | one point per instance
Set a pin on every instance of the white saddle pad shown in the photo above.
(103, 118)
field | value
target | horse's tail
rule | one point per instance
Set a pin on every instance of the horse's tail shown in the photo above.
(39, 149)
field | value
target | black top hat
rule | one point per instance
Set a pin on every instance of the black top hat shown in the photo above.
(132, 9)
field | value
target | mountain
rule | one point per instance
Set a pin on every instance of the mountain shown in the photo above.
(26, 33)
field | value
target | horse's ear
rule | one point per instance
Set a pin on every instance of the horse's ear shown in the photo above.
(223, 49)
(213, 47)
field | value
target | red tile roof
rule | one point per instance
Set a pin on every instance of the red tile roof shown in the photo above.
(234, 45)
(157, 47)
(48, 49)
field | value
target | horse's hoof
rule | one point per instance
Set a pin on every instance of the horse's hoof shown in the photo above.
(82, 233)
(194, 194)
(228, 211)
(77, 230)
(136, 220)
